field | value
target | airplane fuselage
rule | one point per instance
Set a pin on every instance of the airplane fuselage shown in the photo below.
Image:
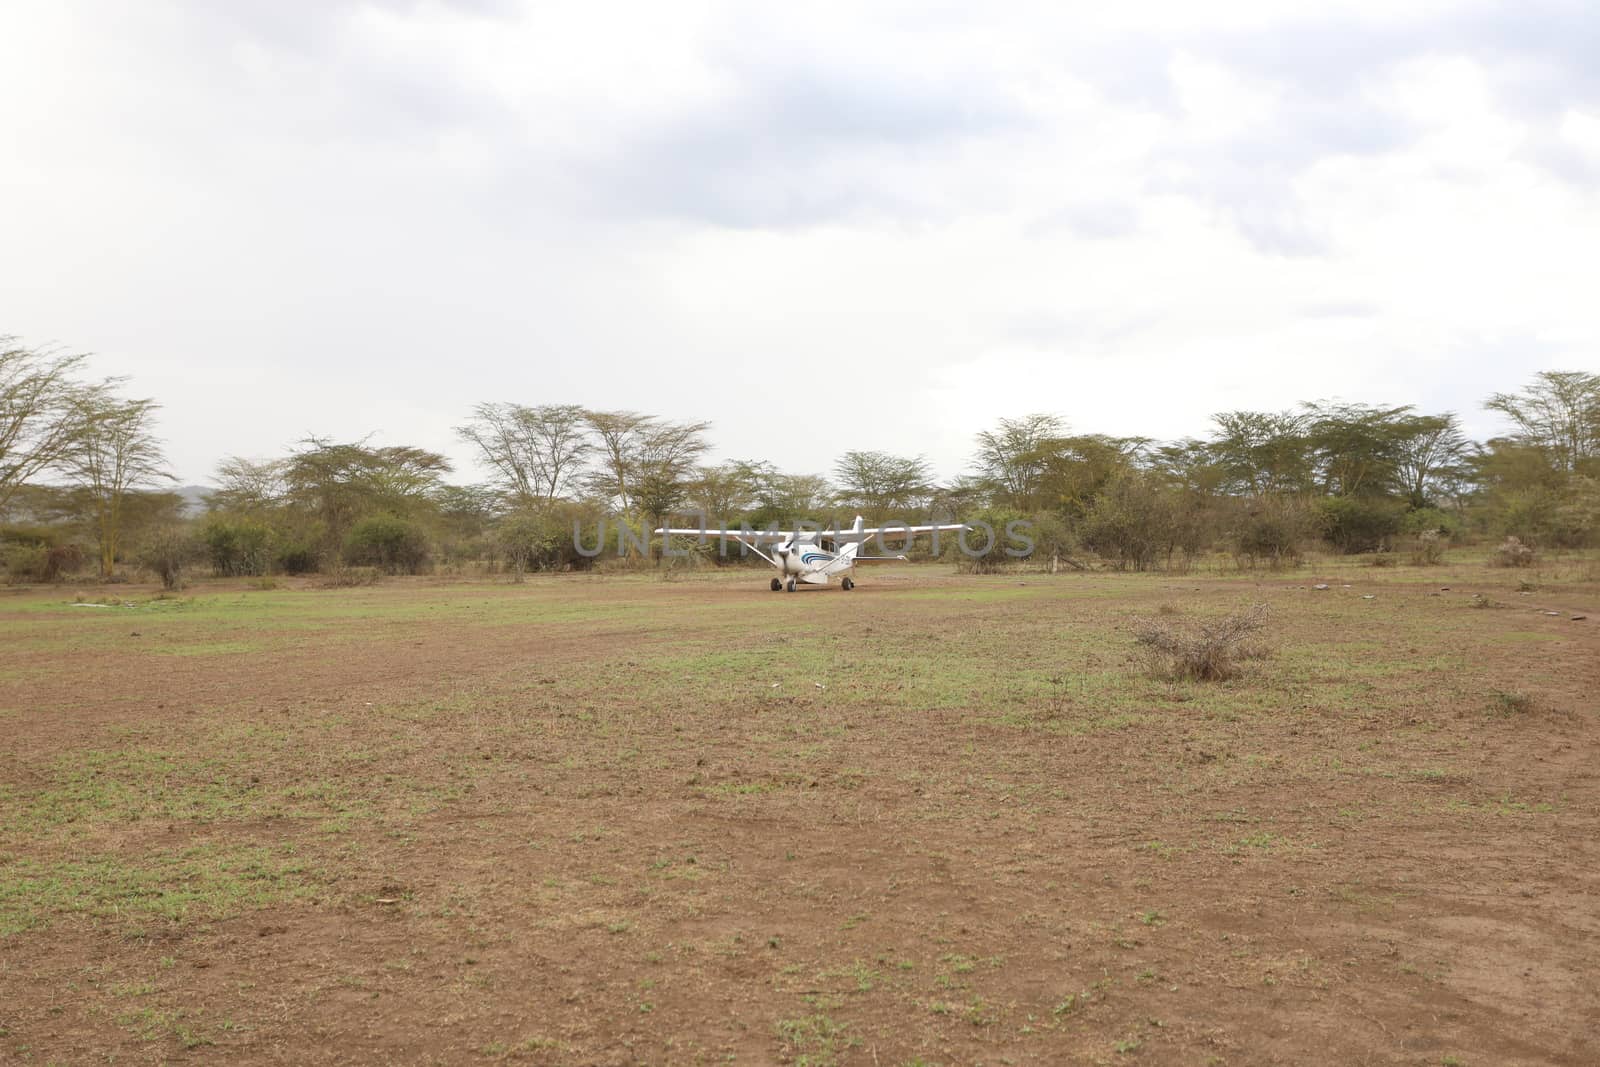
(811, 558)
(802, 558)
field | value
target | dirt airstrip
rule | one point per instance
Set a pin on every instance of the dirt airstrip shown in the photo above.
(940, 819)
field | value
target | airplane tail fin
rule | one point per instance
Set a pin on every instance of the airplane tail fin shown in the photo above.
(859, 525)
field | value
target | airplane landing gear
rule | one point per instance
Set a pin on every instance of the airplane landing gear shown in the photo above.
(791, 585)
(776, 585)
(847, 583)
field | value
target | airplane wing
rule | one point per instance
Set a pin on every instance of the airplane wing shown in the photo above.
(752, 541)
(711, 533)
(892, 532)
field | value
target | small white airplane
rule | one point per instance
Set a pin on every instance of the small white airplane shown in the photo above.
(814, 557)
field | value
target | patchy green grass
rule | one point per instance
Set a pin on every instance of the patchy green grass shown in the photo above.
(201, 882)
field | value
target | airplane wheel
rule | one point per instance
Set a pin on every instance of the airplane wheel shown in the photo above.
(791, 585)
(776, 585)
(847, 584)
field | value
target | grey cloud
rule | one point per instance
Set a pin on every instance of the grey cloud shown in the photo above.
(1545, 48)
(805, 138)
(800, 145)
(1551, 45)
(1540, 53)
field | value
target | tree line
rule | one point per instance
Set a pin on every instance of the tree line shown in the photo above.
(83, 475)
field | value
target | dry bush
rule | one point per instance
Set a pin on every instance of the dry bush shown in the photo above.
(168, 552)
(344, 576)
(1207, 651)
(1513, 553)
(1428, 549)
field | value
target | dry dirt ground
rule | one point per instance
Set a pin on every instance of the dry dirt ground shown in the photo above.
(937, 820)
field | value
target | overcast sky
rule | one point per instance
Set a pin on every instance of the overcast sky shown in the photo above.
(818, 226)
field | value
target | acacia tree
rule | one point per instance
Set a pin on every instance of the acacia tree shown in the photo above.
(644, 461)
(1262, 453)
(760, 493)
(880, 482)
(1014, 456)
(250, 486)
(728, 490)
(663, 465)
(535, 451)
(619, 435)
(1558, 412)
(1431, 458)
(40, 413)
(795, 496)
(113, 451)
(336, 483)
(1190, 465)
(1356, 449)
(1079, 468)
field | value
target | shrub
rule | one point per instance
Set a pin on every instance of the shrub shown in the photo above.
(1527, 514)
(345, 577)
(298, 557)
(1513, 553)
(28, 535)
(1271, 532)
(1577, 519)
(1568, 518)
(41, 562)
(542, 540)
(238, 547)
(1353, 524)
(1139, 524)
(1208, 651)
(391, 544)
(25, 563)
(1053, 543)
(989, 551)
(168, 551)
(1419, 521)
(1427, 549)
